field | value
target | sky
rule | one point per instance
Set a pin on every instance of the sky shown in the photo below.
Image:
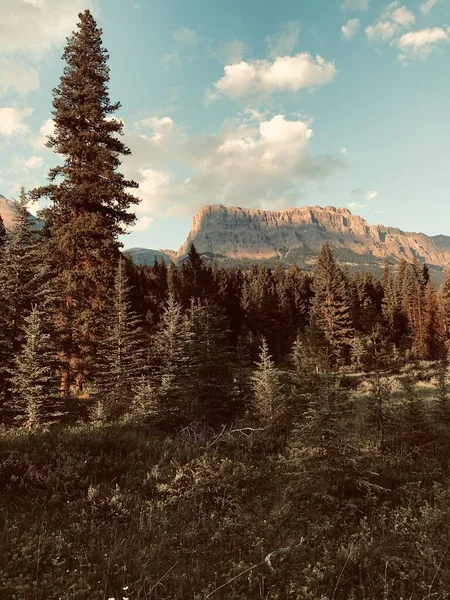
(267, 105)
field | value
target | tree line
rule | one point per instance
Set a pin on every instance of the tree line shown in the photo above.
(81, 325)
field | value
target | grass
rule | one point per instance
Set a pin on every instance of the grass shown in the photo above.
(122, 512)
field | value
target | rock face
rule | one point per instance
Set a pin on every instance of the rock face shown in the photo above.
(144, 256)
(7, 213)
(241, 233)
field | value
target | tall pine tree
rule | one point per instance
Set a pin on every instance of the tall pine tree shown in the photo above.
(19, 285)
(331, 306)
(121, 356)
(88, 194)
(36, 399)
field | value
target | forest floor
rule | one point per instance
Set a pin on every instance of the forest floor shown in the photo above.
(120, 512)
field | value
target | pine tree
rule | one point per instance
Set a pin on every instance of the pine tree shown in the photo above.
(36, 399)
(120, 362)
(412, 304)
(196, 277)
(434, 336)
(90, 201)
(267, 388)
(2, 234)
(445, 304)
(321, 441)
(393, 317)
(331, 307)
(213, 378)
(174, 369)
(417, 432)
(443, 395)
(20, 271)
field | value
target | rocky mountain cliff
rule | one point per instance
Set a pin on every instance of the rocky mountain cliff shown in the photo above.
(290, 234)
(7, 213)
(234, 235)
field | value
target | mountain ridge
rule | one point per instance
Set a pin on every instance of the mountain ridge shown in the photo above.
(236, 233)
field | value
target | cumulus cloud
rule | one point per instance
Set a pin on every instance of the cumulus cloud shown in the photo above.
(350, 29)
(12, 121)
(371, 195)
(283, 42)
(362, 5)
(48, 128)
(392, 20)
(29, 29)
(285, 73)
(34, 162)
(427, 6)
(255, 161)
(421, 43)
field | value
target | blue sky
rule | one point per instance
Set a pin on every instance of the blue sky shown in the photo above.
(256, 104)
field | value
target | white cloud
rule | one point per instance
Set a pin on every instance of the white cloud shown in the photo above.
(421, 43)
(28, 30)
(371, 195)
(231, 52)
(12, 120)
(283, 42)
(343, 151)
(17, 75)
(143, 223)
(403, 17)
(186, 37)
(34, 162)
(255, 160)
(48, 128)
(427, 6)
(362, 5)
(350, 29)
(392, 20)
(262, 77)
(36, 26)
(161, 127)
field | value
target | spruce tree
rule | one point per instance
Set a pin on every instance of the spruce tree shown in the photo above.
(214, 400)
(2, 234)
(120, 361)
(173, 373)
(20, 271)
(88, 194)
(433, 324)
(36, 399)
(417, 432)
(445, 304)
(331, 306)
(267, 387)
(393, 317)
(443, 395)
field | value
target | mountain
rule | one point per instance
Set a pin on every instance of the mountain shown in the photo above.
(143, 256)
(234, 235)
(7, 213)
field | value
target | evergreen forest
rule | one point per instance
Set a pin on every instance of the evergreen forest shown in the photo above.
(187, 431)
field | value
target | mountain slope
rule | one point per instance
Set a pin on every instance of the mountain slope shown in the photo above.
(240, 233)
(7, 213)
